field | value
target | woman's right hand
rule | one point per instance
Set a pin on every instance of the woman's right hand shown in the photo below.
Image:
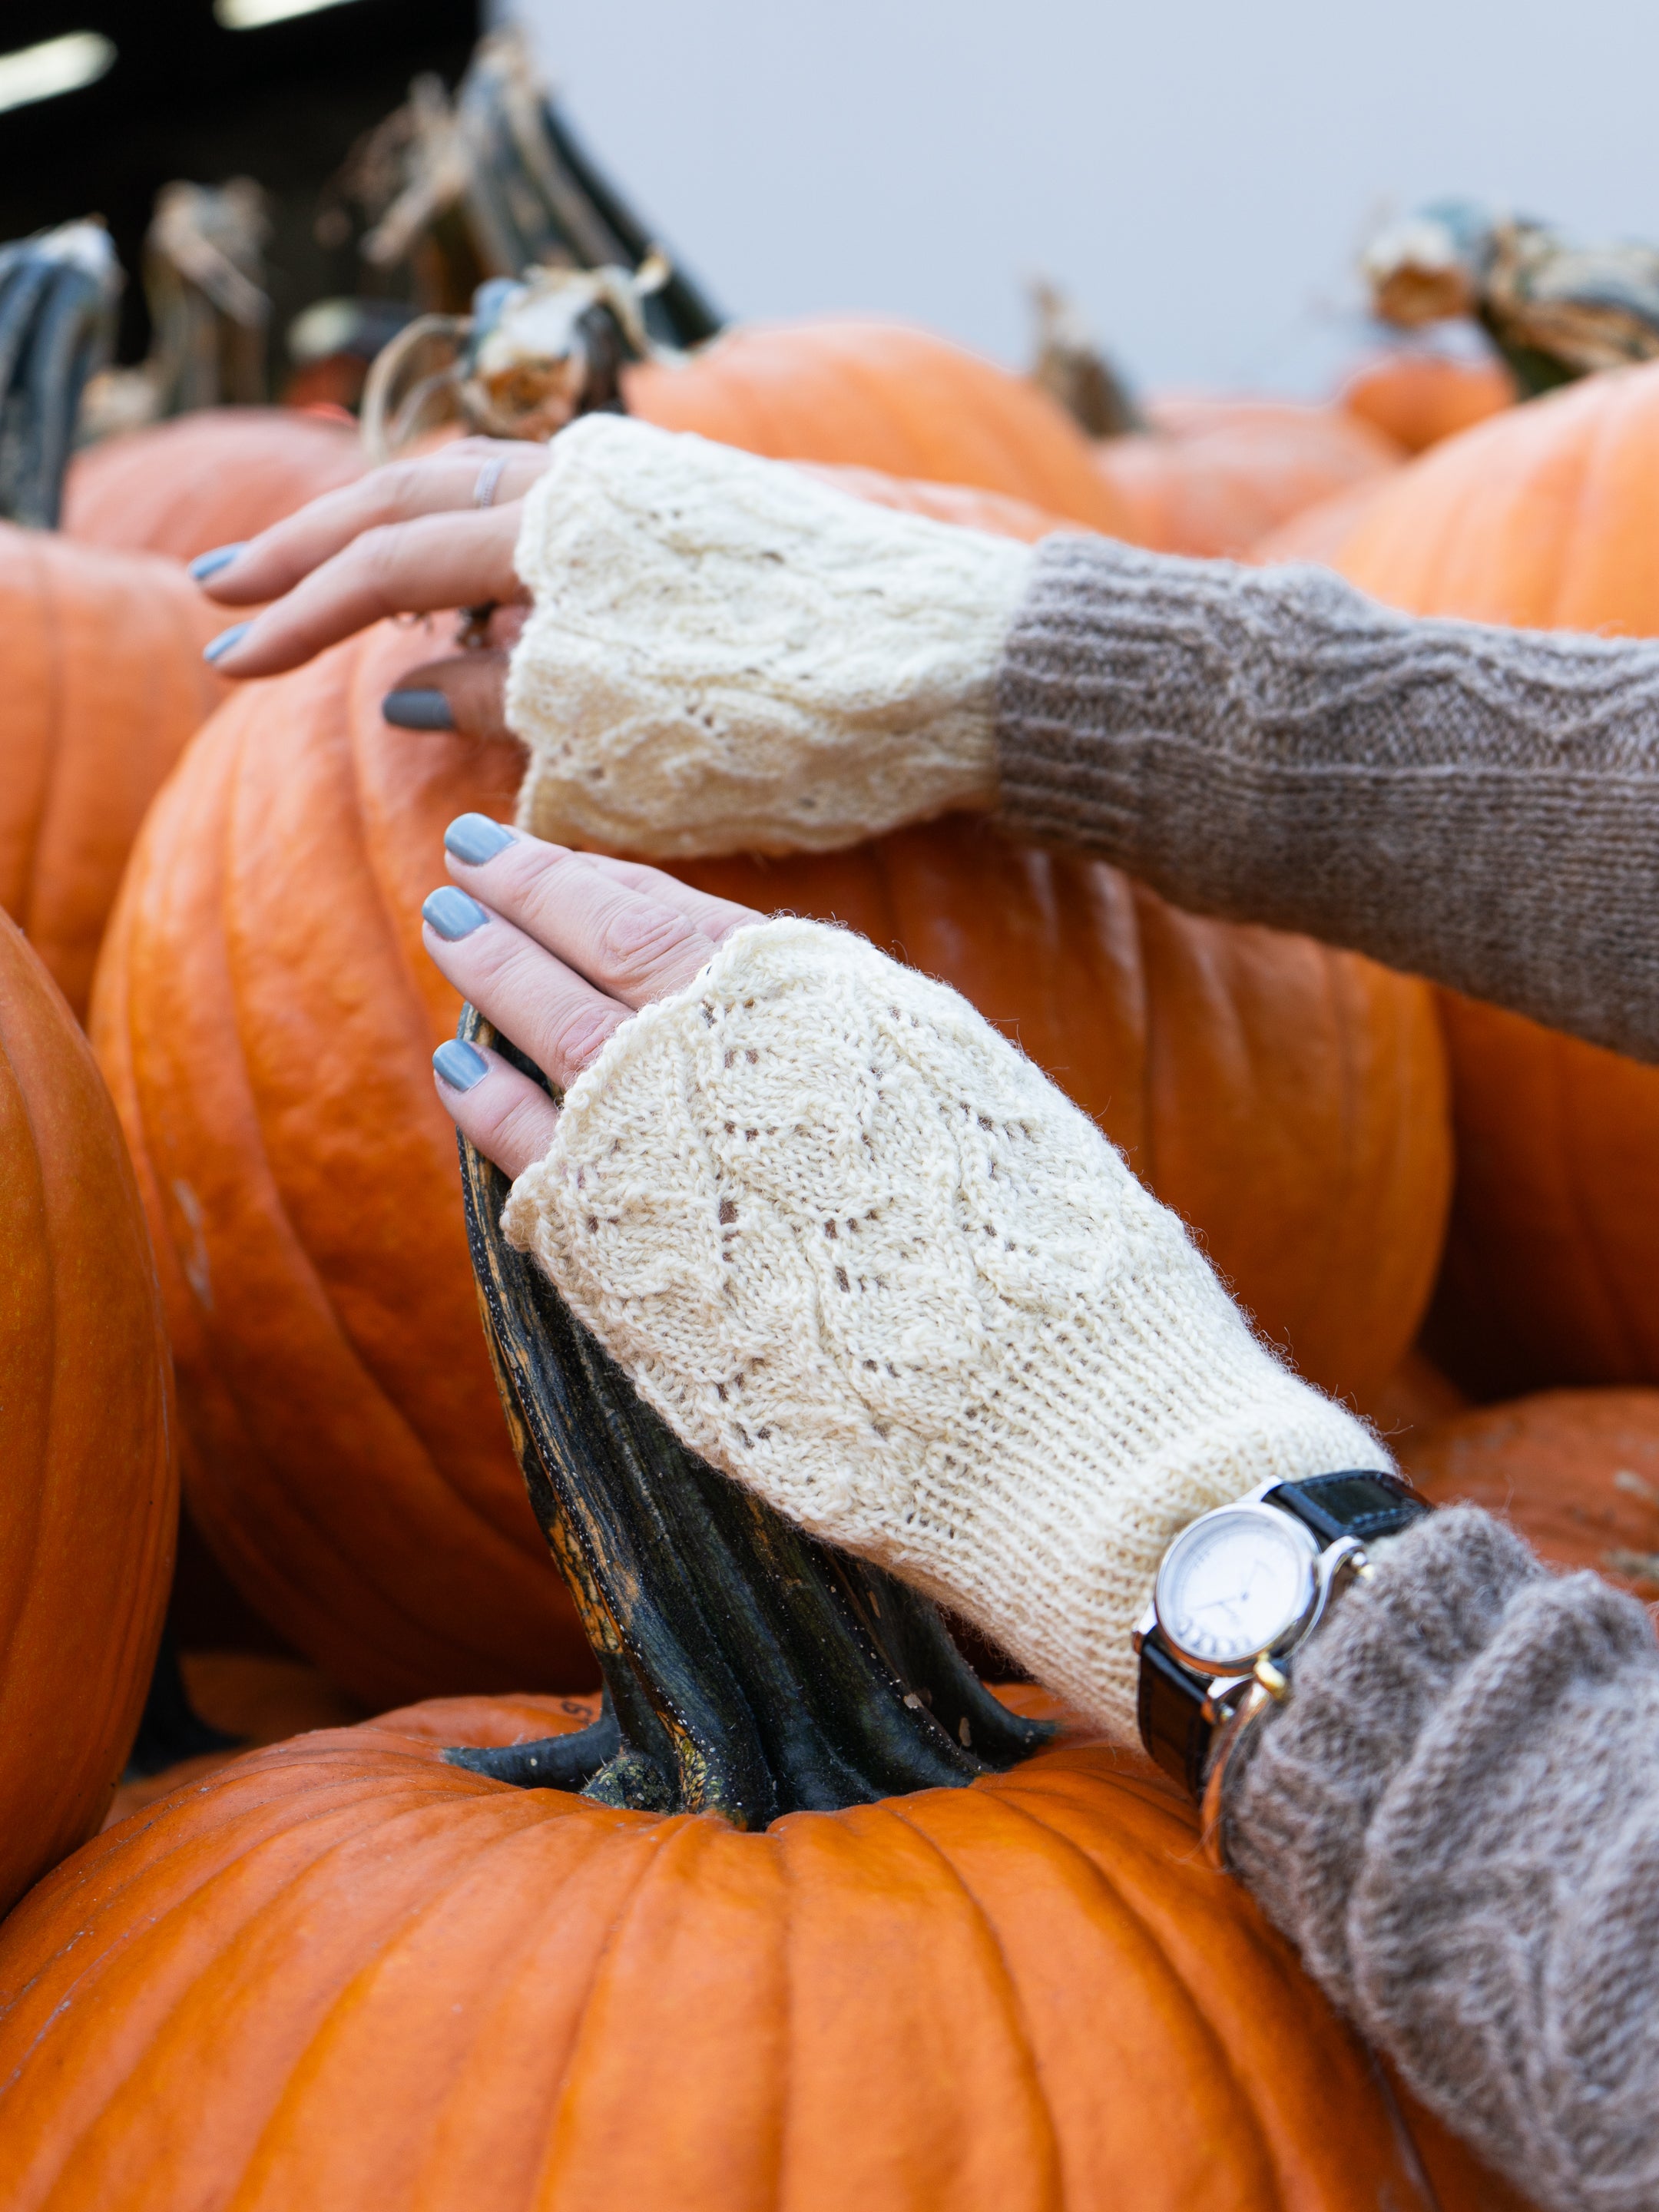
(417, 536)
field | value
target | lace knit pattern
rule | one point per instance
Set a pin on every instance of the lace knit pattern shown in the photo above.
(1477, 804)
(725, 655)
(862, 1255)
(1456, 1820)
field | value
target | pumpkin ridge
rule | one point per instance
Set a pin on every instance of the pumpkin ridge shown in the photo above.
(1615, 1319)
(1012, 1997)
(334, 2023)
(183, 1989)
(11, 1076)
(1013, 1792)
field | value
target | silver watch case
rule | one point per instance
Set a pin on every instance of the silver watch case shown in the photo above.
(1319, 1573)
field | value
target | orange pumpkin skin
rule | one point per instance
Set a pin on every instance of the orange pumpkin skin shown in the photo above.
(90, 1486)
(883, 396)
(409, 1985)
(1213, 477)
(1577, 1471)
(105, 686)
(212, 478)
(266, 1014)
(1319, 532)
(1418, 398)
(1541, 517)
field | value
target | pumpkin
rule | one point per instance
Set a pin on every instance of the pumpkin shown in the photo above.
(409, 1983)
(1578, 1472)
(91, 1492)
(266, 1014)
(415, 1976)
(1418, 398)
(1544, 517)
(212, 478)
(105, 685)
(886, 397)
(1213, 477)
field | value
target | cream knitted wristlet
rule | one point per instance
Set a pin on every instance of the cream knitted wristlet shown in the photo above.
(864, 1256)
(725, 655)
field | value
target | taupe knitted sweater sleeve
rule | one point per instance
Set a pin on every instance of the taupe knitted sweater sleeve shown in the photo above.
(1476, 804)
(1456, 1820)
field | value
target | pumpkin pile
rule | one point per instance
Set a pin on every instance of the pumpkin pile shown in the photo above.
(791, 1907)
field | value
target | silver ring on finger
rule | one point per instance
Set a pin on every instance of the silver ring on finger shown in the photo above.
(489, 477)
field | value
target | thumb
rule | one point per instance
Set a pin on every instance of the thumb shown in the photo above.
(466, 693)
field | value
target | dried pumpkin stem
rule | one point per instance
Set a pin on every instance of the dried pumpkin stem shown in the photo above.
(749, 1670)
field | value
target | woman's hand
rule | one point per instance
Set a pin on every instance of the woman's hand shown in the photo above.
(417, 537)
(557, 949)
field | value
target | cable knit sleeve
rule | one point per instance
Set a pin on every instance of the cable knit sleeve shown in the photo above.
(1476, 804)
(1456, 1820)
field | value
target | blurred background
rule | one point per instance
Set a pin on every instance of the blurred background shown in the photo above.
(1199, 180)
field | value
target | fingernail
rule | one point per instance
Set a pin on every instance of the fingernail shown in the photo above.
(209, 564)
(458, 1066)
(216, 649)
(452, 914)
(475, 838)
(418, 710)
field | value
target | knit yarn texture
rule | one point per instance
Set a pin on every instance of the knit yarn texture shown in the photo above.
(1455, 1818)
(1470, 803)
(864, 1257)
(725, 655)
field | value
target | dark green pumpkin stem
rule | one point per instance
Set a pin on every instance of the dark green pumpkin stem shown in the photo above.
(749, 1670)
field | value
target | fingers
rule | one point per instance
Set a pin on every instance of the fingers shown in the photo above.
(417, 567)
(553, 1015)
(466, 693)
(510, 1119)
(441, 483)
(632, 932)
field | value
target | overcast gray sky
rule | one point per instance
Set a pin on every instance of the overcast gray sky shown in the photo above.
(1198, 174)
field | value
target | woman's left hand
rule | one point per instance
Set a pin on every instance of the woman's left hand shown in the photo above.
(556, 949)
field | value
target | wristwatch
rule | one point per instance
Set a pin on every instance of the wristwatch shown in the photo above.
(1238, 1591)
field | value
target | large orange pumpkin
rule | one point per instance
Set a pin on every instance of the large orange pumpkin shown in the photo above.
(105, 685)
(90, 1493)
(887, 397)
(1418, 398)
(1578, 1471)
(1213, 477)
(266, 1014)
(1546, 516)
(206, 479)
(345, 1973)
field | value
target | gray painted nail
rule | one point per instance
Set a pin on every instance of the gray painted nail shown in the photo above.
(452, 914)
(217, 647)
(209, 564)
(418, 710)
(475, 838)
(460, 1065)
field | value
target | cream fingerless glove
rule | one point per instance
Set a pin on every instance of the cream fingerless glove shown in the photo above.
(861, 1254)
(725, 655)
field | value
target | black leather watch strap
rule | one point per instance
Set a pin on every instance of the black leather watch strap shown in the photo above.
(1174, 1726)
(1360, 1502)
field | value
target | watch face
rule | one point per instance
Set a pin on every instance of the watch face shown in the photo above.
(1234, 1584)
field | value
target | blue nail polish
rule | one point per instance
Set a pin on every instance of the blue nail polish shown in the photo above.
(452, 914)
(458, 1066)
(475, 838)
(418, 709)
(217, 647)
(209, 564)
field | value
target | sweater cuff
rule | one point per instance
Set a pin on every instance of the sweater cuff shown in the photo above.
(725, 655)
